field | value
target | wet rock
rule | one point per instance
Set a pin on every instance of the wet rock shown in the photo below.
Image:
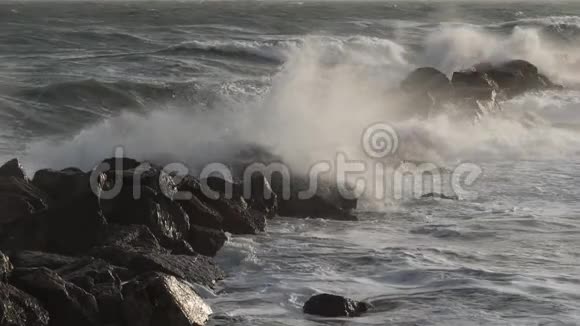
(66, 303)
(20, 309)
(261, 196)
(19, 199)
(328, 305)
(163, 300)
(315, 207)
(144, 198)
(474, 84)
(327, 202)
(199, 212)
(5, 267)
(428, 87)
(206, 241)
(127, 237)
(12, 168)
(101, 280)
(515, 77)
(228, 210)
(195, 269)
(30, 259)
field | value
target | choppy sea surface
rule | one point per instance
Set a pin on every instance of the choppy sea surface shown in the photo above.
(191, 82)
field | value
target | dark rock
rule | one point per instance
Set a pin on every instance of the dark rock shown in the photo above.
(199, 212)
(475, 85)
(66, 303)
(120, 164)
(261, 196)
(315, 207)
(428, 87)
(163, 300)
(144, 198)
(30, 259)
(75, 213)
(206, 241)
(196, 269)
(20, 309)
(228, 210)
(127, 237)
(440, 196)
(64, 184)
(517, 76)
(12, 168)
(328, 305)
(5, 267)
(103, 281)
(19, 199)
(326, 203)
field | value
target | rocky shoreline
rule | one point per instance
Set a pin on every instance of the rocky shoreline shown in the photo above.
(72, 254)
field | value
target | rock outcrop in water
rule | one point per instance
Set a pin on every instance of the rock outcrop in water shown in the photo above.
(329, 305)
(480, 88)
(79, 248)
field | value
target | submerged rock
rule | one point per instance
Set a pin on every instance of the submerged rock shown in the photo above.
(440, 196)
(328, 305)
(20, 309)
(67, 304)
(12, 168)
(163, 300)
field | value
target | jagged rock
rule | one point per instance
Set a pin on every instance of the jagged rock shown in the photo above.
(127, 237)
(20, 309)
(19, 199)
(144, 198)
(261, 197)
(163, 300)
(230, 211)
(67, 304)
(30, 259)
(206, 241)
(5, 267)
(103, 281)
(196, 269)
(12, 168)
(200, 213)
(328, 305)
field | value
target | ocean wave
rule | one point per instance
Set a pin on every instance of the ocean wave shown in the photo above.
(95, 93)
(270, 51)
